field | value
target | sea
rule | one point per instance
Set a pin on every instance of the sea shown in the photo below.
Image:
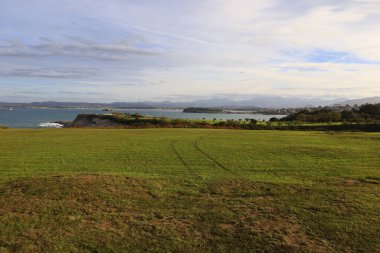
(45, 118)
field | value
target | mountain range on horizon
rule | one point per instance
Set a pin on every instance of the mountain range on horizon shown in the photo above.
(255, 102)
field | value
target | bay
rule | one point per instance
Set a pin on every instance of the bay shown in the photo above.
(33, 118)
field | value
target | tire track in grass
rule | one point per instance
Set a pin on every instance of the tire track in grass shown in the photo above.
(183, 162)
(216, 162)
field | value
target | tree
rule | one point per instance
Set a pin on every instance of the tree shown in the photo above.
(370, 111)
(253, 122)
(273, 119)
(137, 115)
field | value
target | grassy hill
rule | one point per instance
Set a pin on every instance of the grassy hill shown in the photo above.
(192, 190)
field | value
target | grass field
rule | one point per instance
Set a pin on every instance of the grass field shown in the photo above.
(188, 190)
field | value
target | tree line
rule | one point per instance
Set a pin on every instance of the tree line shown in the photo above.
(362, 114)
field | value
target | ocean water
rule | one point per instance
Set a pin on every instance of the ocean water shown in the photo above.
(37, 118)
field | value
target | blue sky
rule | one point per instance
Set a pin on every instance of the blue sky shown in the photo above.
(125, 50)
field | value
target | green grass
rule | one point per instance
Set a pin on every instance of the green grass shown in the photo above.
(188, 190)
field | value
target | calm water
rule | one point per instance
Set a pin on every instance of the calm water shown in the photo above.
(32, 118)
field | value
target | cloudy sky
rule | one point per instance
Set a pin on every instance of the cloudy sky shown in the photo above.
(134, 50)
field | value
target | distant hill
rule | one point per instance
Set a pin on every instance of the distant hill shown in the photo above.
(361, 101)
(264, 102)
(220, 102)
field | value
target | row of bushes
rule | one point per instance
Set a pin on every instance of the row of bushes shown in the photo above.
(120, 121)
(367, 112)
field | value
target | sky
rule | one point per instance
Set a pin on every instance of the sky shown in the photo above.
(179, 50)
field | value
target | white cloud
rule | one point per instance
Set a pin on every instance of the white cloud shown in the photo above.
(197, 47)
